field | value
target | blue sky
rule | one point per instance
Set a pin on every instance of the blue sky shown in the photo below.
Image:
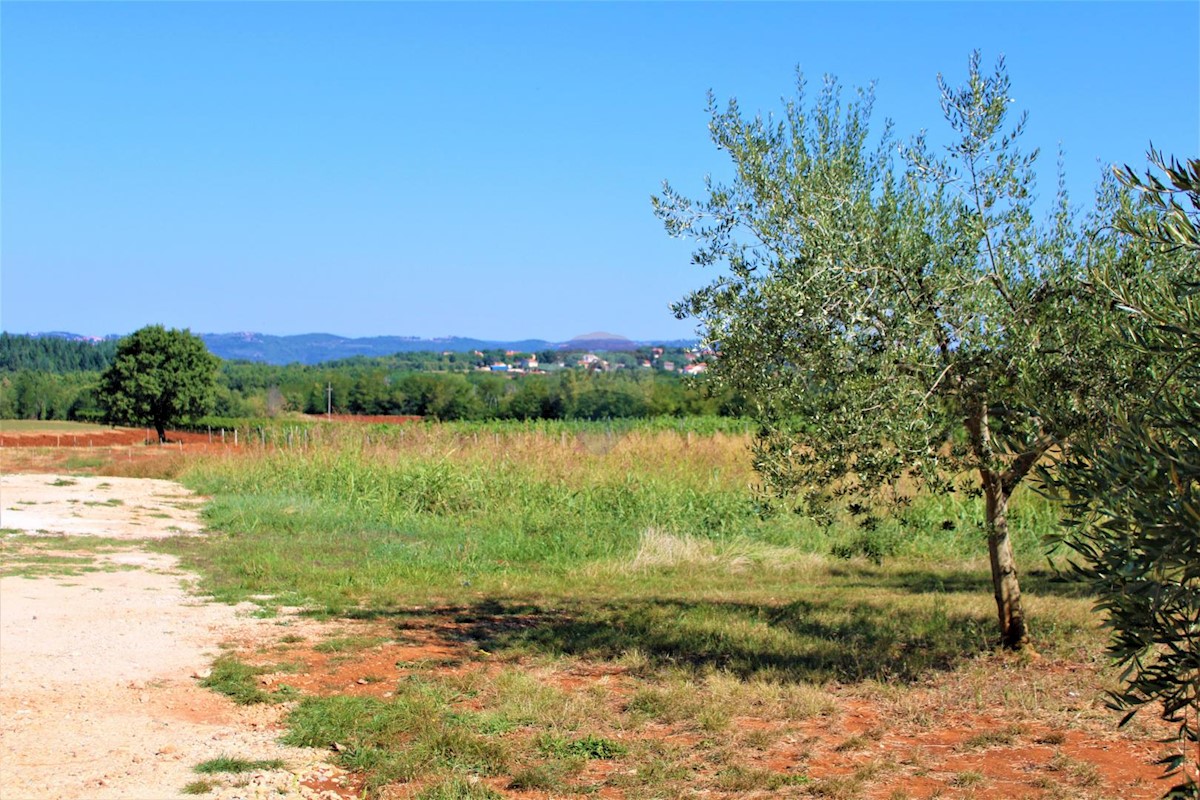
(475, 169)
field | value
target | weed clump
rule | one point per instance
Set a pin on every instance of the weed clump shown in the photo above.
(236, 765)
(237, 680)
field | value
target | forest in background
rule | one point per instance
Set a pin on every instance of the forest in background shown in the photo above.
(50, 378)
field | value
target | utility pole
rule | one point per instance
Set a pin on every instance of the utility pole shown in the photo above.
(329, 400)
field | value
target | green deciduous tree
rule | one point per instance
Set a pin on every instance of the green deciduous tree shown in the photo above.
(158, 377)
(888, 316)
(1135, 496)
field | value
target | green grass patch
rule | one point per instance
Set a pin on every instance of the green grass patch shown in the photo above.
(458, 789)
(414, 733)
(547, 776)
(76, 462)
(199, 787)
(15, 541)
(36, 565)
(751, 779)
(238, 681)
(587, 747)
(1002, 737)
(35, 556)
(49, 426)
(229, 764)
(349, 644)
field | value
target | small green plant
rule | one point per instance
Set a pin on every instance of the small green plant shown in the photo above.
(750, 779)
(83, 462)
(199, 787)
(547, 776)
(458, 789)
(347, 644)
(852, 743)
(586, 747)
(872, 543)
(1001, 737)
(967, 780)
(759, 738)
(236, 765)
(839, 787)
(236, 680)
(63, 482)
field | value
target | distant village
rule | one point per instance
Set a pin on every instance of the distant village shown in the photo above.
(687, 361)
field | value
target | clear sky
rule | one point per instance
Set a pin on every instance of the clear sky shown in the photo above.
(475, 169)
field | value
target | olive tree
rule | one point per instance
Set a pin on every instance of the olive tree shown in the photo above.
(1135, 496)
(893, 311)
(158, 377)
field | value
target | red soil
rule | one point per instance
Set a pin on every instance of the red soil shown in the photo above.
(925, 762)
(101, 438)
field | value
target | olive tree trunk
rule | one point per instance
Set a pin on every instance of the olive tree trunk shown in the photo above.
(997, 491)
(1004, 566)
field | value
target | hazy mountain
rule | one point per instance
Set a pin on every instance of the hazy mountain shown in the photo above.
(602, 341)
(315, 348)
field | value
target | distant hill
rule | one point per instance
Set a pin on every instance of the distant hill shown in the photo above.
(317, 348)
(602, 341)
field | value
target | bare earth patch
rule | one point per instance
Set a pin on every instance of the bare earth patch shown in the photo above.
(98, 689)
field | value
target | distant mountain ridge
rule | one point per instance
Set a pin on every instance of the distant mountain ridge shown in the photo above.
(315, 348)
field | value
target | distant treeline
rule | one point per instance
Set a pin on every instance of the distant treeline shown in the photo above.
(54, 354)
(565, 394)
(63, 380)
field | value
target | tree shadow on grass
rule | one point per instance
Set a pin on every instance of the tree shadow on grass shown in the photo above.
(1039, 581)
(806, 640)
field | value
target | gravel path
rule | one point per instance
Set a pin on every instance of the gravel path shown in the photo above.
(98, 690)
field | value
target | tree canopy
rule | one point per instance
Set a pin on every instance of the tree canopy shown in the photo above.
(158, 377)
(1134, 496)
(893, 311)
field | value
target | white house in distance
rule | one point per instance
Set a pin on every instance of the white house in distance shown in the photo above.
(593, 361)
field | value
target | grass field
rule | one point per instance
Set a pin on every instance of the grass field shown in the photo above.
(543, 612)
(48, 426)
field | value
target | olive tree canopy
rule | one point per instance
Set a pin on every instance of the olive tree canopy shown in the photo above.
(1134, 496)
(891, 311)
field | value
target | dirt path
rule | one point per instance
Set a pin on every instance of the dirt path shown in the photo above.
(98, 664)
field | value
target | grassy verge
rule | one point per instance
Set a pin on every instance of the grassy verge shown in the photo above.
(36, 556)
(441, 510)
(612, 612)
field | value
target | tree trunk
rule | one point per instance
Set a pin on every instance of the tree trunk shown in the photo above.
(1004, 566)
(997, 489)
(162, 431)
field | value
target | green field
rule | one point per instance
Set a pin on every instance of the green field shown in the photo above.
(48, 426)
(728, 636)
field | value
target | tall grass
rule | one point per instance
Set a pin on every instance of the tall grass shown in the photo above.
(449, 507)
